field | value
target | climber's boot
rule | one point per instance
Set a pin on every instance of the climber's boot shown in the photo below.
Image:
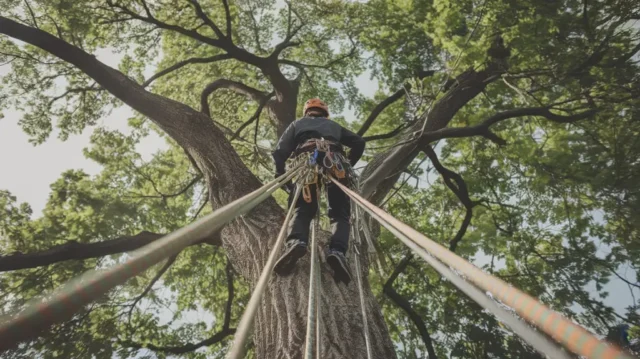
(294, 249)
(338, 262)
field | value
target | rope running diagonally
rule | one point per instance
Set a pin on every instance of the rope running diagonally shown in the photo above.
(538, 341)
(73, 295)
(570, 335)
(238, 348)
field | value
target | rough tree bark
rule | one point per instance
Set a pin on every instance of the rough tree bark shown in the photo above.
(281, 323)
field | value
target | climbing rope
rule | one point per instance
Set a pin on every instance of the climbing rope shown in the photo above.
(238, 348)
(312, 309)
(570, 335)
(365, 323)
(72, 296)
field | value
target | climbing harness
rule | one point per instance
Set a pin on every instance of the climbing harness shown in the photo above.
(333, 162)
(90, 286)
(570, 335)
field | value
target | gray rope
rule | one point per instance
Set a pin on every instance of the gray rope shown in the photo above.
(527, 333)
(238, 348)
(365, 322)
(311, 308)
(76, 293)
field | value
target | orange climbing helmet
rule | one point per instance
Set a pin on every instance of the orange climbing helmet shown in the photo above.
(315, 103)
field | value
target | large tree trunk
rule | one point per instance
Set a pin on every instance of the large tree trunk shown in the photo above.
(281, 324)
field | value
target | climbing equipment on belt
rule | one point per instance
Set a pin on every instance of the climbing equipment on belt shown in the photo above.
(333, 162)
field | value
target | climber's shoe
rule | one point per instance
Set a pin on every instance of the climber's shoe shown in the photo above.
(294, 249)
(338, 262)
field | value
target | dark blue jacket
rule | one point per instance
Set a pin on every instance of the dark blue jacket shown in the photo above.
(307, 128)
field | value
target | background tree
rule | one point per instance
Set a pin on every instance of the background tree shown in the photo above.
(507, 130)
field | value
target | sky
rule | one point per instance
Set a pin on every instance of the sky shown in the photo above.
(27, 170)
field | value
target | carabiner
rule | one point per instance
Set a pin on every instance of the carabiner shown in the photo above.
(306, 193)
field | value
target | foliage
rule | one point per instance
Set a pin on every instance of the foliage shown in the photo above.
(555, 203)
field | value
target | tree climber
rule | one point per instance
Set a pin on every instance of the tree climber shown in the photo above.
(316, 133)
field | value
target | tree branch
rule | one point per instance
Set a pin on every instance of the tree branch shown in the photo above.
(483, 128)
(163, 196)
(216, 338)
(73, 250)
(160, 273)
(328, 65)
(186, 348)
(230, 296)
(150, 19)
(33, 16)
(405, 305)
(460, 190)
(378, 177)
(290, 34)
(389, 101)
(396, 131)
(204, 203)
(73, 90)
(255, 117)
(207, 20)
(181, 64)
(378, 110)
(238, 87)
(227, 14)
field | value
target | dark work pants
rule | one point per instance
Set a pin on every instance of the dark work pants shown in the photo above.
(339, 212)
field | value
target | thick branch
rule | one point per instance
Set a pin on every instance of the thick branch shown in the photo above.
(403, 303)
(483, 128)
(238, 87)
(73, 250)
(181, 64)
(378, 177)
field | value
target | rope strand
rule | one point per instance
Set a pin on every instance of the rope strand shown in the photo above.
(238, 348)
(570, 335)
(71, 297)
